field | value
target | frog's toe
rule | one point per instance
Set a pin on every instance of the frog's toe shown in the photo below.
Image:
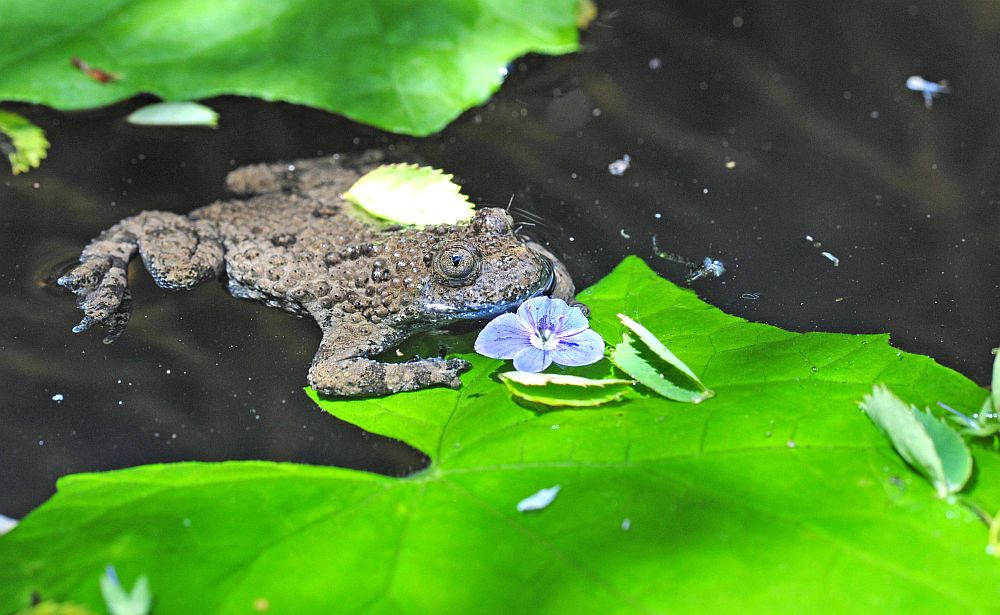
(84, 276)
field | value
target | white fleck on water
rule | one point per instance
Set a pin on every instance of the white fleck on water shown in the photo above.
(618, 167)
(57, 397)
(626, 524)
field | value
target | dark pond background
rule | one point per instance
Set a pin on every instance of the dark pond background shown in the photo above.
(804, 101)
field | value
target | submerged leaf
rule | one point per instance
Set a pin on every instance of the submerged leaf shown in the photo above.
(24, 143)
(675, 380)
(929, 445)
(563, 390)
(408, 67)
(174, 114)
(411, 194)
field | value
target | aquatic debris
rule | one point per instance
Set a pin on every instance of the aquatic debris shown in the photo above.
(538, 500)
(709, 269)
(618, 167)
(97, 74)
(929, 89)
(543, 331)
(830, 257)
(57, 397)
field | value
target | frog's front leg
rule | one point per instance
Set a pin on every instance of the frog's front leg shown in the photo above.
(178, 252)
(342, 367)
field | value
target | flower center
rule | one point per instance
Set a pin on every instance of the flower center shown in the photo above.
(548, 338)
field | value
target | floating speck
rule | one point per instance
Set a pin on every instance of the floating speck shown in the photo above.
(624, 234)
(618, 167)
(830, 257)
(737, 22)
(655, 63)
(626, 524)
(791, 444)
(539, 500)
(57, 397)
(730, 164)
(186, 523)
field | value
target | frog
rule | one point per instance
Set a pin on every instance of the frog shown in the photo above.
(289, 239)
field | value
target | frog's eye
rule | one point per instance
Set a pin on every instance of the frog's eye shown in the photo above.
(457, 264)
(494, 222)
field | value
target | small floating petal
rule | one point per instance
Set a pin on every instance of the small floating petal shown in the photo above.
(539, 500)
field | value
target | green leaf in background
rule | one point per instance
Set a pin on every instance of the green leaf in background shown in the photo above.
(565, 390)
(22, 142)
(775, 495)
(404, 66)
(174, 114)
(411, 194)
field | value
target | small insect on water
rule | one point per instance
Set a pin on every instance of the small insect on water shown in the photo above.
(929, 89)
(97, 74)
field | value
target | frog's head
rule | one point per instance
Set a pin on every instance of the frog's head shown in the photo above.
(482, 269)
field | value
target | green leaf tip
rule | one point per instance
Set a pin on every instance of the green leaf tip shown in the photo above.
(411, 194)
(564, 390)
(24, 143)
(677, 382)
(924, 441)
(174, 114)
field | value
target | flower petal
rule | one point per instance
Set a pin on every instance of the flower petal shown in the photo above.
(573, 323)
(503, 337)
(532, 359)
(556, 315)
(533, 312)
(583, 348)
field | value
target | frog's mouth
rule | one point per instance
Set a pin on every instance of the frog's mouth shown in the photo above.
(472, 311)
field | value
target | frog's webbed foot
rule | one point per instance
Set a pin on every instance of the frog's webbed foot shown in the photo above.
(361, 377)
(178, 253)
(338, 370)
(101, 287)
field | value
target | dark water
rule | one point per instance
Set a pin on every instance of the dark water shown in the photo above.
(804, 101)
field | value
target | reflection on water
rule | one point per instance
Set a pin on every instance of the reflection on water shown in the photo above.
(747, 125)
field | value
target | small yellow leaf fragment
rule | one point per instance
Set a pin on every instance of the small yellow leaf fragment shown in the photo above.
(411, 194)
(24, 143)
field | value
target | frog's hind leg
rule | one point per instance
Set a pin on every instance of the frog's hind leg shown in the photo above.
(178, 252)
(303, 175)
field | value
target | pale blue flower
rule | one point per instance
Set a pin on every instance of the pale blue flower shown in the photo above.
(543, 331)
